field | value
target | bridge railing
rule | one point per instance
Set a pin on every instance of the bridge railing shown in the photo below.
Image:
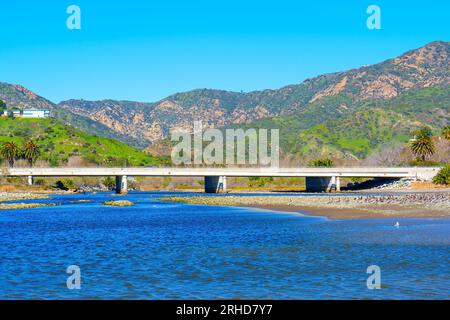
(412, 172)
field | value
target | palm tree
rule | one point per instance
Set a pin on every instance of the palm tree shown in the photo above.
(422, 146)
(446, 132)
(423, 133)
(10, 151)
(31, 152)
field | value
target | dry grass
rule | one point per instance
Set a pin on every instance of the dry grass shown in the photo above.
(425, 185)
(7, 188)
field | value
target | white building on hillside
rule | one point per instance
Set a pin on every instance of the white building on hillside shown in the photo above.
(35, 113)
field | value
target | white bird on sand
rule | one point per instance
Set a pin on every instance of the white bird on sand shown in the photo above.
(397, 224)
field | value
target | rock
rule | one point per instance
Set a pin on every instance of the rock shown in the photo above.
(15, 206)
(119, 203)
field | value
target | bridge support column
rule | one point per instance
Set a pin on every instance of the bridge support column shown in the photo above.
(30, 180)
(121, 185)
(323, 184)
(215, 184)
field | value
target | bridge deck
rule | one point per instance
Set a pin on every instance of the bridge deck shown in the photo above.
(408, 172)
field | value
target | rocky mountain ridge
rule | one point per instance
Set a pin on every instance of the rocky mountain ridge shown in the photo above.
(324, 98)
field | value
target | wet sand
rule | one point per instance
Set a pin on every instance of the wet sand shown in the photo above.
(423, 205)
(361, 213)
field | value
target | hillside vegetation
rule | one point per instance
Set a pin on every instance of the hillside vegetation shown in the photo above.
(346, 114)
(314, 101)
(17, 96)
(360, 133)
(59, 142)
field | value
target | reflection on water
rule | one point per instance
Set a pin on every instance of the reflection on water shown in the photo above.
(158, 250)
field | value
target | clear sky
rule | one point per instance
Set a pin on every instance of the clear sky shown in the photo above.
(145, 50)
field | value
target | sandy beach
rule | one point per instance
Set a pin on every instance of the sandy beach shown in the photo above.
(429, 204)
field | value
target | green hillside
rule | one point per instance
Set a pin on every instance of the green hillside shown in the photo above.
(17, 96)
(312, 102)
(292, 108)
(58, 142)
(362, 132)
(358, 134)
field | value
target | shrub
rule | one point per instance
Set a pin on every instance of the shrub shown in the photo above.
(39, 182)
(420, 163)
(325, 163)
(446, 132)
(65, 184)
(259, 181)
(443, 176)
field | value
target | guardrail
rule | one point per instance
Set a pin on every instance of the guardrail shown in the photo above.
(424, 173)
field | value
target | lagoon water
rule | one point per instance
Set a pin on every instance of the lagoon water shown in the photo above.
(158, 250)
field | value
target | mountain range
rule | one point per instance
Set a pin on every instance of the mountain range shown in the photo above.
(350, 112)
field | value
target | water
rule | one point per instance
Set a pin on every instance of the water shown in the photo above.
(158, 250)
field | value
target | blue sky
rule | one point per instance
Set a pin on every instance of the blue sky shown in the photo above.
(145, 50)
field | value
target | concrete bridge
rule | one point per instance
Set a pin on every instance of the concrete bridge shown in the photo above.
(317, 179)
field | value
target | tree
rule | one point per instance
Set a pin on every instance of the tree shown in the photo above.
(31, 151)
(423, 133)
(422, 146)
(2, 105)
(109, 183)
(446, 132)
(10, 151)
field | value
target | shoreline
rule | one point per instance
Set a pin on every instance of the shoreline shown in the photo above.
(18, 196)
(353, 213)
(387, 204)
(405, 205)
(25, 195)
